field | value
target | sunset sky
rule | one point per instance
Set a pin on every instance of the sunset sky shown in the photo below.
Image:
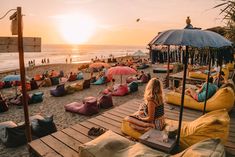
(111, 22)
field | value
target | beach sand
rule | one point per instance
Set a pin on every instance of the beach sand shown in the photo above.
(55, 105)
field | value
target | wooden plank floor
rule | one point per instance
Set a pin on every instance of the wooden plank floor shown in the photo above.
(66, 142)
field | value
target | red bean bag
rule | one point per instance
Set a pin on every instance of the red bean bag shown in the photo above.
(28, 87)
(72, 78)
(1, 84)
(120, 91)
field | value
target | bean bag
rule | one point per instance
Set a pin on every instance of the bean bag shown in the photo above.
(132, 87)
(105, 101)
(55, 80)
(59, 91)
(36, 97)
(28, 87)
(3, 106)
(13, 136)
(115, 145)
(142, 66)
(43, 126)
(202, 75)
(223, 98)
(1, 84)
(120, 91)
(70, 89)
(80, 76)
(206, 148)
(214, 124)
(230, 66)
(72, 78)
(7, 84)
(88, 108)
(86, 84)
(130, 131)
(77, 86)
(37, 77)
(100, 81)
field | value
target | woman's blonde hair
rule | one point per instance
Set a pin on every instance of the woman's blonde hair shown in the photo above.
(154, 91)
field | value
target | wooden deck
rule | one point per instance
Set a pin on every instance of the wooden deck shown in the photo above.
(66, 142)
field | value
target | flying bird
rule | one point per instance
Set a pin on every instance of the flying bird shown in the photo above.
(137, 20)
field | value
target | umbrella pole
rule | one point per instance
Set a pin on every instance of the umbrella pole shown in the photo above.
(220, 69)
(185, 56)
(168, 66)
(22, 75)
(207, 85)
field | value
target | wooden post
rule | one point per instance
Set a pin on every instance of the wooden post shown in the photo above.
(185, 58)
(168, 66)
(22, 74)
(207, 85)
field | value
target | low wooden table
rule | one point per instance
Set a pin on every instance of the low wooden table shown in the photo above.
(154, 139)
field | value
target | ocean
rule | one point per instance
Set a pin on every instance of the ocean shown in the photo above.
(59, 53)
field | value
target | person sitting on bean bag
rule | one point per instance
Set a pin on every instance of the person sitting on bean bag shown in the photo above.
(46, 82)
(33, 84)
(200, 96)
(143, 78)
(221, 78)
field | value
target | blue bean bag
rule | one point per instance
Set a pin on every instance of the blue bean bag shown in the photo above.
(36, 98)
(143, 66)
(132, 87)
(59, 91)
(100, 81)
(80, 76)
(55, 80)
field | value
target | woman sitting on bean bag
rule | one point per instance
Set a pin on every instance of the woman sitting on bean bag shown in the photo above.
(200, 96)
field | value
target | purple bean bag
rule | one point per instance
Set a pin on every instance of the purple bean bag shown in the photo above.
(105, 101)
(120, 91)
(59, 91)
(88, 108)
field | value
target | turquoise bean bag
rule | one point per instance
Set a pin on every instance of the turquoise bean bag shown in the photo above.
(99, 81)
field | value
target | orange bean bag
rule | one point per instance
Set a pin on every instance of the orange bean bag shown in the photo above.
(37, 77)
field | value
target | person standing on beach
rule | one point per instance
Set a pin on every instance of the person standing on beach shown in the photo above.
(48, 61)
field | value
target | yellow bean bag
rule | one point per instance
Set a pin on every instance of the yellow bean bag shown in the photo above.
(230, 66)
(77, 86)
(214, 124)
(201, 75)
(128, 130)
(223, 98)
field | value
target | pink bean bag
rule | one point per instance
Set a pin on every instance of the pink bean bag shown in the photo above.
(120, 91)
(88, 108)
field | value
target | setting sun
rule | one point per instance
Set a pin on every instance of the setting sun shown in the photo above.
(76, 29)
